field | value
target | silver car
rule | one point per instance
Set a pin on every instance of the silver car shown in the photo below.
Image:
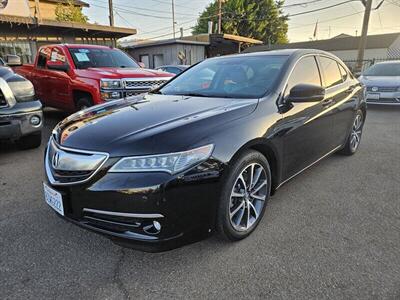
(382, 81)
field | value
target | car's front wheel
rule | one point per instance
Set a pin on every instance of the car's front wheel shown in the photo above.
(30, 141)
(244, 196)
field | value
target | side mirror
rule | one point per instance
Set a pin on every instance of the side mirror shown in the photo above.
(51, 65)
(142, 65)
(13, 60)
(306, 93)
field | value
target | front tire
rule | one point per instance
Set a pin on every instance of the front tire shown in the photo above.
(244, 196)
(83, 103)
(354, 139)
(30, 141)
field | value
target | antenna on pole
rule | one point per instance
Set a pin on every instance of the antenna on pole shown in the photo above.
(173, 17)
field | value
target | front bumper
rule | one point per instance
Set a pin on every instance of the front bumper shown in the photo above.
(383, 98)
(15, 121)
(147, 211)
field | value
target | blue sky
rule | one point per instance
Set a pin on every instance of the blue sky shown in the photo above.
(152, 18)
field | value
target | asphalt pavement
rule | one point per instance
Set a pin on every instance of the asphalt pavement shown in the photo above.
(331, 233)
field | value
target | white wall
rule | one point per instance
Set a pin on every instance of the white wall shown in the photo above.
(368, 54)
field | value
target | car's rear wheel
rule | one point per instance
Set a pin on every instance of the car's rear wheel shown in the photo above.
(244, 196)
(354, 139)
(30, 141)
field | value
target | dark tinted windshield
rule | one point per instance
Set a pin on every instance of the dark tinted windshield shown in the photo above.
(386, 69)
(101, 58)
(233, 77)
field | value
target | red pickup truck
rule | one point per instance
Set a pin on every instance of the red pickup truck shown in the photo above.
(73, 77)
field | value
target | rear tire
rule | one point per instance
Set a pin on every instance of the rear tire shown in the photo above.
(246, 190)
(354, 139)
(30, 141)
(83, 103)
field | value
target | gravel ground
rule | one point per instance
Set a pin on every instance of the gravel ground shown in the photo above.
(331, 233)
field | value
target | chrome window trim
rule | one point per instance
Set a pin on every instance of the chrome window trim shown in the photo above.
(121, 214)
(49, 174)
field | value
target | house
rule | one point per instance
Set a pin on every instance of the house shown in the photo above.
(379, 47)
(187, 50)
(25, 26)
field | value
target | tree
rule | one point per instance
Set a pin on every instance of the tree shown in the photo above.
(260, 19)
(70, 12)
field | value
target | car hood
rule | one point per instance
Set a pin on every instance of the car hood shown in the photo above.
(380, 81)
(149, 124)
(117, 73)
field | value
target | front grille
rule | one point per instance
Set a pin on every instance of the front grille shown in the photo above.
(3, 101)
(68, 166)
(383, 89)
(143, 85)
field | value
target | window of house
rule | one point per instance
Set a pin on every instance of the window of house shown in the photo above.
(158, 60)
(145, 59)
(331, 71)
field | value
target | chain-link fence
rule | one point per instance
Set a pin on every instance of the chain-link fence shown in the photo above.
(366, 63)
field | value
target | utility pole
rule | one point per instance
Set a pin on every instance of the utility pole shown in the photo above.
(110, 8)
(364, 34)
(219, 16)
(37, 11)
(173, 17)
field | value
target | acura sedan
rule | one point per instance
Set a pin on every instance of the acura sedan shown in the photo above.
(202, 153)
(382, 81)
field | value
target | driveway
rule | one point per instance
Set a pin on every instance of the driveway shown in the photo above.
(332, 232)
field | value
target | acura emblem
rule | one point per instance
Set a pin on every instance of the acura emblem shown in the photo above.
(56, 160)
(375, 89)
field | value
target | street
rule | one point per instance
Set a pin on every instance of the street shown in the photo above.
(333, 232)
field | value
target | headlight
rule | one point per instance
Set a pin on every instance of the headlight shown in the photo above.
(110, 95)
(171, 163)
(110, 84)
(23, 90)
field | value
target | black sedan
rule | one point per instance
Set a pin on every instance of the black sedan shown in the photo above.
(204, 152)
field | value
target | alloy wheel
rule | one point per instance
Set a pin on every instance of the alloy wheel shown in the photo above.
(248, 197)
(356, 132)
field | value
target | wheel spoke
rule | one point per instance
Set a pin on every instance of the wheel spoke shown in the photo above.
(237, 209)
(251, 176)
(254, 209)
(241, 178)
(257, 176)
(259, 187)
(240, 217)
(258, 197)
(248, 217)
(237, 195)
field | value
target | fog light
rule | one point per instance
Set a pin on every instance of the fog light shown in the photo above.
(35, 120)
(157, 225)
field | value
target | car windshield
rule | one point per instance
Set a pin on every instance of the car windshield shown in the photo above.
(386, 69)
(230, 77)
(101, 58)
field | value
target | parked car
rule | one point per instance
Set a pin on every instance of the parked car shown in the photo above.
(383, 83)
(203, 153)
(73, 77)
(21, 117)
(174, 69)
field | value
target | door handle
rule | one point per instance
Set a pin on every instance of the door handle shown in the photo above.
(327, 102)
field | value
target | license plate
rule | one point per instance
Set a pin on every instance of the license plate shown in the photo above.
(54, 199)
(373, 96)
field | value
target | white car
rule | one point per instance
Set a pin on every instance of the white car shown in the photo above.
(382, 81)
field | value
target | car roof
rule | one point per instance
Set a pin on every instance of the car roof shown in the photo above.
(388, 62)
(73, 46)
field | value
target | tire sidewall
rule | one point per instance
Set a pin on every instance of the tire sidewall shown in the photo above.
(224, 225)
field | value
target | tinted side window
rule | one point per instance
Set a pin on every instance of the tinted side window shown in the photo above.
(343, 72)
(331, 72)
(306, 72)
